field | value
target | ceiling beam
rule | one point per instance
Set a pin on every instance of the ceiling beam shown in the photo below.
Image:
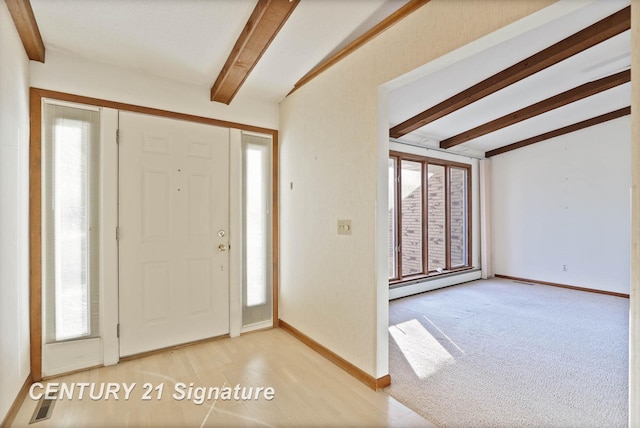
(561, 131)
(263, 25)
(557, 101)
(25, 22)
(407, 9)
(572, 45)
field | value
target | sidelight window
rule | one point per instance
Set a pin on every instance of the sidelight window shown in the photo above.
(257, 273)
(70, 212)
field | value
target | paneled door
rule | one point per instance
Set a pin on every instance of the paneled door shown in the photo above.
(173, 232)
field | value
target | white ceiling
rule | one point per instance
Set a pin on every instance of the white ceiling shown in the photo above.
(189, 40)
(593, 106)
(599, 61)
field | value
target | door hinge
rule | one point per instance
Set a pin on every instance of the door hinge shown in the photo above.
(117, 233)
(117, 136)
(118, 330)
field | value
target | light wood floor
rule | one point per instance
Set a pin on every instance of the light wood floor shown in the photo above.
(309, 390)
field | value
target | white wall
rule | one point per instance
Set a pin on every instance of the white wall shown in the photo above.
(332, 287)
(634, 307)
(14, 213)
(565, 201)
(71, 74)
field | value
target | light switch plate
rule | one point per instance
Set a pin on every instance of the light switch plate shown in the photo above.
(344, 227)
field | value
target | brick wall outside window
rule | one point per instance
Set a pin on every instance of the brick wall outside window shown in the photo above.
(412, 234)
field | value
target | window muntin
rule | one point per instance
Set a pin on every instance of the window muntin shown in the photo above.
(430, 221)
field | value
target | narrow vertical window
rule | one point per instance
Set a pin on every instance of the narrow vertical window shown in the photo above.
(436, 220)
(256, 225)
(393, 220)
(458, 216)
(71, 222)
(411, 217)
(256, 155)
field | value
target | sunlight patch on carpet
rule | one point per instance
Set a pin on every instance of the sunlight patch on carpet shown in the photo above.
(443, 334)
(421, 350)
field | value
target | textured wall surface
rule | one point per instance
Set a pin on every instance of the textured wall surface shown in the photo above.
(634, 345)
(14, 212)
(75, 75)
(564, 203)
(329, 160)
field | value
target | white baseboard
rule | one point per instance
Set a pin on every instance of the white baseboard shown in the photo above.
(433, 284)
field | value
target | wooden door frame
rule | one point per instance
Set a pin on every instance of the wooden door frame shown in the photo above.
(36, 96)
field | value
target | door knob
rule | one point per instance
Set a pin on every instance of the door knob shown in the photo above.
(222, 247)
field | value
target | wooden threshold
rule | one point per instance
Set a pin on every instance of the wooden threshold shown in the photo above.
(150, 353)
(600, 31)
(561, 131)
(263, 25)
(17, 403)
(70, 372)
(171, 348)
(25, 22)
(571, 287)
(336, 359)
(560, 100)
(389, 21)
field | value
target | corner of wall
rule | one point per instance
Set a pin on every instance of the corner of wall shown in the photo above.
(634, 334)
(14, 221)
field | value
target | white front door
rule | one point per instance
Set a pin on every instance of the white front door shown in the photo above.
(173, 232)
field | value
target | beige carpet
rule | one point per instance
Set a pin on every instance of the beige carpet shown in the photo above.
(500, 353)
